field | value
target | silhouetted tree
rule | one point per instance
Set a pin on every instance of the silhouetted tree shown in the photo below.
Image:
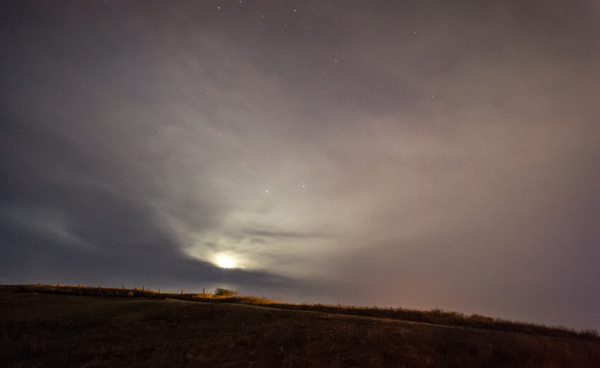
(226, 292)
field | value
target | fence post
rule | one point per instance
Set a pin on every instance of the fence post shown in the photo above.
(203, 291)
(159, 290)
(143, 289)
(181, 292)
(123, 287)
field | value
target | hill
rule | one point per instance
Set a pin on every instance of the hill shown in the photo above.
(41, 327)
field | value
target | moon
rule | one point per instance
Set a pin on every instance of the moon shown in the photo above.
(224, 261)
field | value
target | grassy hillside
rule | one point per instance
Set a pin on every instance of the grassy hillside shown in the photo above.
(48, 329)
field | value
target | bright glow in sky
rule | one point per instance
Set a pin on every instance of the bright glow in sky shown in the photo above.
(225, 261)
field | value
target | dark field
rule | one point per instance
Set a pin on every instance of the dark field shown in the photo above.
(52, 330)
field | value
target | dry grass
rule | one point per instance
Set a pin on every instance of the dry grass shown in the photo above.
(52, 330)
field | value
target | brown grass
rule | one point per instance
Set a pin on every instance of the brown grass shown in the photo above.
(45, 329)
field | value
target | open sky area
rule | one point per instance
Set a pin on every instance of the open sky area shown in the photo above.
(417, 154)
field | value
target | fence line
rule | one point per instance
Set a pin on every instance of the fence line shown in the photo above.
(108, 291)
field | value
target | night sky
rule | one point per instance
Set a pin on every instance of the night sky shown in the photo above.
(416, 154)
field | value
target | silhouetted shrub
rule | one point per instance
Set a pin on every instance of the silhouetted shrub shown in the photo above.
(226, 292)
(589, 334)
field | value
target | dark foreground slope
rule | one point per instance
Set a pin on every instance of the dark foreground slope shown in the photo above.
(50, 330)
